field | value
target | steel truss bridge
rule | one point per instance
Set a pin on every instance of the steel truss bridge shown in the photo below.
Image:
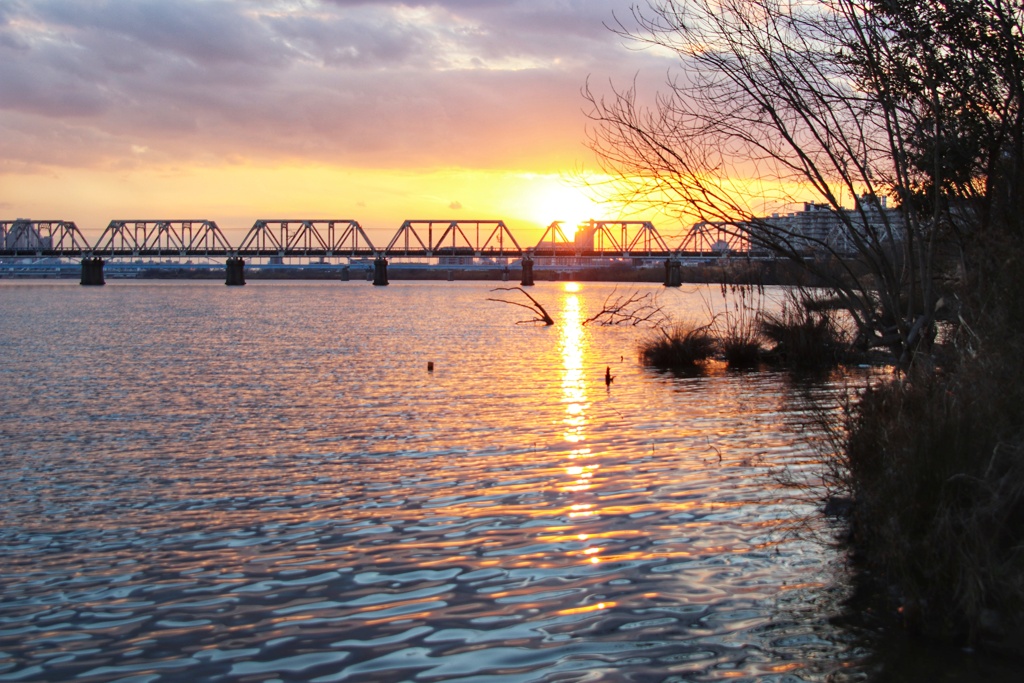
(346, 238)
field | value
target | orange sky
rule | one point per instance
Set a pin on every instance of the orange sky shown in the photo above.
(231, 110)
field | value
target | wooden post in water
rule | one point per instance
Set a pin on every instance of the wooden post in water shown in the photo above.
(380, 271)
(92, 271)
(527, 279)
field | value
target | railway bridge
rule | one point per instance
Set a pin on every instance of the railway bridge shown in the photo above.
(275, 239)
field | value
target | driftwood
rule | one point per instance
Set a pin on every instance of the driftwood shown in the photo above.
(540, 315)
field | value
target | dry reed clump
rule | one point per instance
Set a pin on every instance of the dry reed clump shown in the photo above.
(936, 463)
(678, 347)
(805, 336)
(736, 326)
(741, 352)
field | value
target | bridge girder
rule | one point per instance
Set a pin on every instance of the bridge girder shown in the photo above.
(305, 237)
(557, 243)
(453, 238)
(710, 238)
(635, 238)
(599, 238)
(346, 238)
(157, 237)
(48, 237)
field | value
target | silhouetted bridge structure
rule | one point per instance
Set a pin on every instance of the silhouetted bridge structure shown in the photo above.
(276, 239)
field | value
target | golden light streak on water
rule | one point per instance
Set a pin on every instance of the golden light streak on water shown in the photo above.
(588, 608)
(581, 474)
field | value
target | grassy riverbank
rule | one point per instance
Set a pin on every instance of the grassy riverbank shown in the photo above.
(936, 462)
(928, 464)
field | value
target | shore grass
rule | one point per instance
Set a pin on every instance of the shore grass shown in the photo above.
(937, 466)
(804, 335)
(737, 325)
(678, 347)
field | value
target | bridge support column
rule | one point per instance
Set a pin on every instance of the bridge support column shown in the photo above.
(673, 273)
(345, 275)
(380, 271)
(92, 271)
(235, 271)
(527, 279)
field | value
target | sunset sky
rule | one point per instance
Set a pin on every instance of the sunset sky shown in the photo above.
(233, 110)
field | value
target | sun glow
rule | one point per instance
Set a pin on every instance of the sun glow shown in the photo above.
(556, 200)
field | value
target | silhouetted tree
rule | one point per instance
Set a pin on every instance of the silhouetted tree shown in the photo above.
(775, 103)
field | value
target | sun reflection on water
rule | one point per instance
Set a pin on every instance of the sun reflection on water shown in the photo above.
(580, 471)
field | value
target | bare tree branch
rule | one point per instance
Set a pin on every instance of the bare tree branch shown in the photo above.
(541, 315)
(633, 309)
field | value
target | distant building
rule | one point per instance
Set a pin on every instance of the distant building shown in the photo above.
(821, 228)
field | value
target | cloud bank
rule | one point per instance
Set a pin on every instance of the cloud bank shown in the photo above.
(117, 84)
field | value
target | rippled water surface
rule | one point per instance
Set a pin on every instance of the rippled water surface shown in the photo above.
(202, 482)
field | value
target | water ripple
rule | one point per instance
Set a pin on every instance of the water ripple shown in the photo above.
(205, 483)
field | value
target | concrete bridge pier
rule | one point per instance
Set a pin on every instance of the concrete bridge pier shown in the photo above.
(380, 271)
(527, 279)
(235, 271)
(92, 271)
(673, 273)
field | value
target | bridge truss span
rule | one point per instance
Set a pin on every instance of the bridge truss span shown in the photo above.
(162, 238)
(306, 237)
(715, 238)
(25, 237)
(633, 238)
(450, 240)
(456, 238)
(603, 239)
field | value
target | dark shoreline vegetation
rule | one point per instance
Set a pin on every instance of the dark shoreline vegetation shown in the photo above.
(806, 335)
(920, 105)
(926, 468)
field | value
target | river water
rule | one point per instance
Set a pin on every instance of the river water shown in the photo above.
(203, 482)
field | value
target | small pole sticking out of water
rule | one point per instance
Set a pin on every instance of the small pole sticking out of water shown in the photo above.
(430, 366)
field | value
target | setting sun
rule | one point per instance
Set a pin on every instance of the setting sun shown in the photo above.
(557, 200)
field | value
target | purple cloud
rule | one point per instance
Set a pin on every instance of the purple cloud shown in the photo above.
(348, 82)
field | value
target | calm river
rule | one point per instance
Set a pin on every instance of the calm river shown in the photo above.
(200, 482)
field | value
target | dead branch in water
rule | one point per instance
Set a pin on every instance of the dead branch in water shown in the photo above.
(538, 310)
(630, 309)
